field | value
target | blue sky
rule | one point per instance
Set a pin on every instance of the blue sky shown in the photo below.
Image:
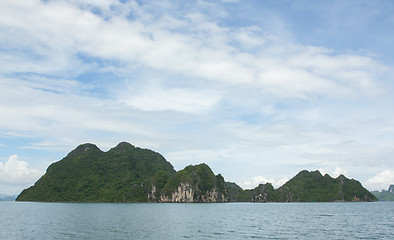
(259, 90)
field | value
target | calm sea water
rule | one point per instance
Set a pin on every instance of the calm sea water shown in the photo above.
(21, 220)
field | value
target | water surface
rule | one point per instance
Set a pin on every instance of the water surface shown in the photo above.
(27, 220)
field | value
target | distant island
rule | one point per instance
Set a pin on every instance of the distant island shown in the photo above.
(7, 198)
(130, 174)
(385, 195)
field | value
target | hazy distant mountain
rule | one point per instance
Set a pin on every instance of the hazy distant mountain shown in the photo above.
(131, 174)
(385, 195)
(4, 197)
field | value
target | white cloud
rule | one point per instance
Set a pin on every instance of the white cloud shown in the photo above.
(256, 98)
(334, 173)
(262, 180)
(381, 180)
(205, 52)
(65, 119)
(250, 37)
(176, 99)
(338, 171)
(230, 1)
(15, 171)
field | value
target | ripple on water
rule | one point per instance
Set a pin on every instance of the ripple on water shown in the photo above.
(197, 221)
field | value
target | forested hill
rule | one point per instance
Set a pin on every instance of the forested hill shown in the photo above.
(314, 187)
(305, 187)
(88, 174)
(130, 174)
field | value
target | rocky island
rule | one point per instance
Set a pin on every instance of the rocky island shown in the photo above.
(313, 187)
(130, 174)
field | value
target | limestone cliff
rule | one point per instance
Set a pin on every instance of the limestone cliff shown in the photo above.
(263, 193)
(130, 174)
(192, 184)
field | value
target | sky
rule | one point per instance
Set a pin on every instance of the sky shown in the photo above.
(258, 90)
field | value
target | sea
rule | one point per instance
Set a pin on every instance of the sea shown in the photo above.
(31, 220)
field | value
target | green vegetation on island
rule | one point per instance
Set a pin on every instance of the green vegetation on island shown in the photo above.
(194, 184)
(306, 187)
(89, 175)
(131, 174)
(314, 187)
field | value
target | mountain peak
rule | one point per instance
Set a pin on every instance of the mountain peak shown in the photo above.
(83, 148)
(391, 188)
(124, 145)
(88, 174)
(308, 173)
(131, 174)
(341, 177)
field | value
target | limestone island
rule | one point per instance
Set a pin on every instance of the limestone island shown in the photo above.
(127, 173)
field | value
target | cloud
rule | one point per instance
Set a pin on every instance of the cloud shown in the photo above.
(230, 1)
(381, 180)
(176, 99)
(262, 180)
(185, 80)
(200, 48)
(15, 171)
(334, 173)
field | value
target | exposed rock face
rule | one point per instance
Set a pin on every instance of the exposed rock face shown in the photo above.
(152, 194)
(263, 193)
(183, 193)
(193, 184)
(213, 196)
(130, 174)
